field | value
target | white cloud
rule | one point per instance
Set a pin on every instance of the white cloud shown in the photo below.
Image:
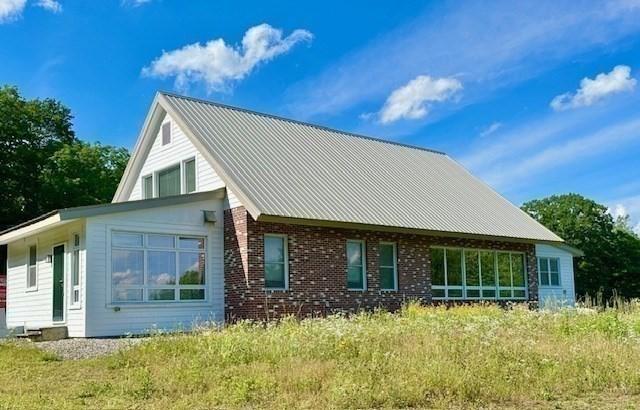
(591, 91)
(492, 128)
(618, 211)
(51, 5)
(218, 64)
(11, 9)
(412, 100)
(486, 47)
(135, 3)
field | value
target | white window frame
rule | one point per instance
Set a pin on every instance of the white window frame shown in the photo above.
(395, 266)
(142, 186)
(548, 260)
(162, 143)
(363, 251)
(75, 304)
(286, 260)
(33, 288)
(155, 181)
(482, 288)
(145, 286)
(183, 175)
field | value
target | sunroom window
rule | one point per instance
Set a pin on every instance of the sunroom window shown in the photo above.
(549, 269)
(155, 268)
(477, 274)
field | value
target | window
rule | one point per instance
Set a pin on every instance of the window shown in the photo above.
(32, 268)
(275, 262)
(477, 274)
(147, 187)
(157, 267)
(166, 133)
(388, 266)
(549, 269)
(75, 271)
(356, 276)
(190, 175)
(169, 181)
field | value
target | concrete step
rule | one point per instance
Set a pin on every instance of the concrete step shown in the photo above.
(44, 334)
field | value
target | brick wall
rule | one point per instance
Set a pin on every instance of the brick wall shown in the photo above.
(318, 264)
(3, 276)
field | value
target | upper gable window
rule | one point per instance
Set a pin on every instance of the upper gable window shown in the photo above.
(166, 133)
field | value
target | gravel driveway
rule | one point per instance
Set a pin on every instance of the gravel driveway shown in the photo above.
(87, 348)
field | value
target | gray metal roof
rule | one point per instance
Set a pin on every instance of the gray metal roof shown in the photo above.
(112, 208)
(285, 168)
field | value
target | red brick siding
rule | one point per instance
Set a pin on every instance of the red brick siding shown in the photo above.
(317, 268)
(3, 276)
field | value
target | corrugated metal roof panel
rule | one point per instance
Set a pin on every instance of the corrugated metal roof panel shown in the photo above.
(298, 170)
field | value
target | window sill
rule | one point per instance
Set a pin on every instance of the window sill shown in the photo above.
(550, 286)
(356, 290)
(275, 289)
(75, 307)
(31, 290)
(153, 305)
(388, 290)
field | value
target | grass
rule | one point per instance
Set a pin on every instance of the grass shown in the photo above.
(421, 357)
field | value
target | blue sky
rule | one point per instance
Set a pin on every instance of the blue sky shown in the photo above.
(535, 98)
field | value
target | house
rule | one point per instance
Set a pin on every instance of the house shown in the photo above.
(224, 213)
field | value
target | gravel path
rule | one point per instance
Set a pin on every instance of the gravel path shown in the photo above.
(87, 348)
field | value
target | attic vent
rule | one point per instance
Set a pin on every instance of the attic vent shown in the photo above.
(166, 133)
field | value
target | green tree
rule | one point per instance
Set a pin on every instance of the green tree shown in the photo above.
(612, 254)
(83, 174)
(31, 131)
(44, 166)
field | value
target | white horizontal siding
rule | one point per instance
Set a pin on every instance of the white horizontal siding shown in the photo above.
(180, 149)
(564, 294)
(105, 319)
(34, 308)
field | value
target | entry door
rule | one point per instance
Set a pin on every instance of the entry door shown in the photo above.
(58, 283)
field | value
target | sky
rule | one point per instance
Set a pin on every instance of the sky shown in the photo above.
(536, 98)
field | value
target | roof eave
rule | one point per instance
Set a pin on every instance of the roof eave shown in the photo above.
(398, 229)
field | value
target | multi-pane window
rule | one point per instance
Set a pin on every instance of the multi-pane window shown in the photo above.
(356, 274)
(75, 271)
(477, 274)
(147, 187)
(189, 176)
(388, 266)
(175, 180)
(32, 269)
(549, 269)
(275, 262)
(157, 267)
(166, 133)
(169, 181)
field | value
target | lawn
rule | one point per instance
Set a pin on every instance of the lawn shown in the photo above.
(421, 357)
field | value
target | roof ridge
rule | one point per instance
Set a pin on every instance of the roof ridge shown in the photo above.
(291, 120)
